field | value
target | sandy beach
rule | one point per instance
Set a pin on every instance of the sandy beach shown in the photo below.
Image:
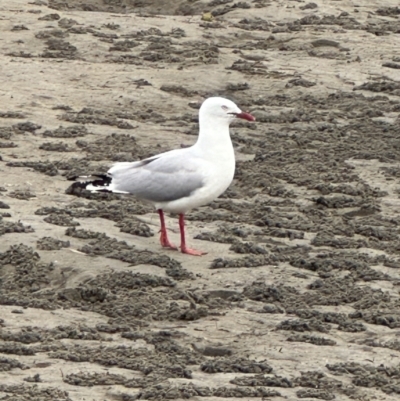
(298, 295)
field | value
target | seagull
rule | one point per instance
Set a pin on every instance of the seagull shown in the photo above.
(182, 179)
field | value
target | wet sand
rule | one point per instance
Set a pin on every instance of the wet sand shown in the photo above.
(298, 295)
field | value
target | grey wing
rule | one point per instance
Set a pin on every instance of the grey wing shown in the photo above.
(162, 178)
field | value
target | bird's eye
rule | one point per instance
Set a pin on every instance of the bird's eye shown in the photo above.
(225, 108)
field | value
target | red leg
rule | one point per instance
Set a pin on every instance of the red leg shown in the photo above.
(184, 248)
(164, 237)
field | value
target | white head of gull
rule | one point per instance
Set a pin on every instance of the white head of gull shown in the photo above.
(182, 179)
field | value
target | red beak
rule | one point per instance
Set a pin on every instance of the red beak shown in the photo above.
(246, 116)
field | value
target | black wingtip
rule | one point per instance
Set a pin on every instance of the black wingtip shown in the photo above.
(102, 180)
(81, 183)
(95, 179)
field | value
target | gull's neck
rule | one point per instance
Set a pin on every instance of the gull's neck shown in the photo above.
(214, 138)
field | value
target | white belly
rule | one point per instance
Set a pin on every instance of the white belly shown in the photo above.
(217, 178)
